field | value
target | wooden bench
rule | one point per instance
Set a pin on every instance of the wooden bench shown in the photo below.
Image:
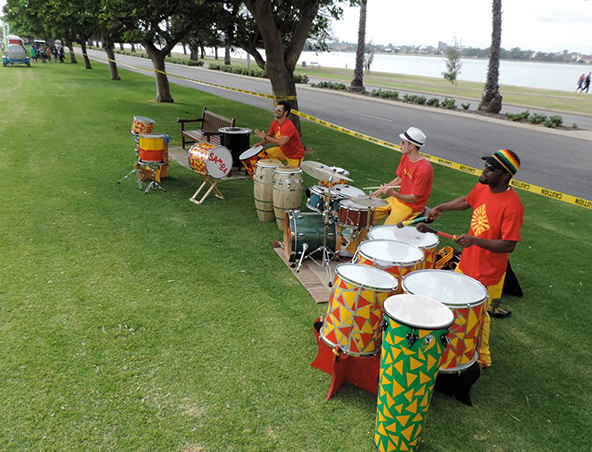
(210, 123)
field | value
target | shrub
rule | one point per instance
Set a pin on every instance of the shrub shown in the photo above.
(465, 106)
(409, 98)
(537, 118)
(449, 104)
(433, 102)
(556, 120)
(301, 78)
(518, 116)
(420, 100)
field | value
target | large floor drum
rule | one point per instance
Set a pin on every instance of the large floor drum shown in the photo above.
(466, 297)
(412, 346)
(263, 188)
(287, 192)
(428, 242)
(307, 228)
(354, 314)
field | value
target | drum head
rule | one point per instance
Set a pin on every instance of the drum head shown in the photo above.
(450, 288)
(346, 191)
(250, 152)
(350, 205)
(418, 312)
(269, 163)
(319, 190)
(407, 234)
(143, 119)
(153, 136)
(288, 170)
(391, 252)
(219, 162)
(364, 275)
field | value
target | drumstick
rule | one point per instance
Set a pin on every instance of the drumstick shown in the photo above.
(422, 227)
(400, 224)
(380, 186)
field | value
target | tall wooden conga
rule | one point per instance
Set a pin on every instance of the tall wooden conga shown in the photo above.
(287, 192)
(263, 188)
(412, 347)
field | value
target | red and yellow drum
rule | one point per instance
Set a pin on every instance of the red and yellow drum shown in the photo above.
(412, 347)
(142, 125)
(338, 180)
(153, 148)
(466, 298)
(354, 314)
(428, 242)
(250, 158)
(396, 258)
(210, 159)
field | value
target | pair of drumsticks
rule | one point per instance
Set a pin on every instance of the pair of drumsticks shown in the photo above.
(421, 226)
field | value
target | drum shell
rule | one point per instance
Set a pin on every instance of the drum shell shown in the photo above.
(360, 333)
(309, 228)
(468, 317)
(157, 155)
(142, 125)
(263, 188)
(250, 164)
(151, 148)
(287, 192)
(427, 242)
(351, 214)
(210, 159)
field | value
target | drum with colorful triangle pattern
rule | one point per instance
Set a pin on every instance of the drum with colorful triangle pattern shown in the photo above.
(412, 347)
(354, 314)
(428, 242)
(466, 298)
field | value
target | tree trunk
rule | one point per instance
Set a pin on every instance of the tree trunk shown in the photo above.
(72, 54)
(227, 55)
(215, 53)
(184, 48)
(110, 53)
(193, 53)
(133, 47)
(203, 51)
(121, 46)
(283, 85)
(163, 89)
(84, 54)
(491, 101)
(357, 84)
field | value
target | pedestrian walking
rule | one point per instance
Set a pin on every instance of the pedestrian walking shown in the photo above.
(61, 54)
(587, 82)
(581, 82)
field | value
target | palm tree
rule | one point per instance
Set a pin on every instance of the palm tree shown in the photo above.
(357, 83)
(491, 102)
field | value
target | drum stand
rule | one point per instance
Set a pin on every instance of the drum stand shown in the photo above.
(154, 166)
(136, 168)
(207, 180)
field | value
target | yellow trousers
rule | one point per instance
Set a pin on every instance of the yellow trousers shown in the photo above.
(396, 211)
(276, 153)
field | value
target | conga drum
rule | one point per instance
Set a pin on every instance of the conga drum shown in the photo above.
(428, 242)
(396, 258)
(466, 298)
(263, 188)
(207, 158)
(354, 313)
(250, 157)
(307, 229)
(413, 341)
(287, 192)
(142, 125)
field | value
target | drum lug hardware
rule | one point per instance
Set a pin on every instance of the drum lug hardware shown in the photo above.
(428, 340)
(445, 341)
(411, 338)
(384, 324)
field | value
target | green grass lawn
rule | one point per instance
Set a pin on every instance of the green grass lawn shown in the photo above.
(132, 322)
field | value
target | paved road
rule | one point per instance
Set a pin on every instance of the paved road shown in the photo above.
(557, 162)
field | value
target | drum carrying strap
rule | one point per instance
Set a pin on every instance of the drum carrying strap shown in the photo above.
(446, 259)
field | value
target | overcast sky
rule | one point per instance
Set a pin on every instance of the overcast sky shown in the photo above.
(543, 25)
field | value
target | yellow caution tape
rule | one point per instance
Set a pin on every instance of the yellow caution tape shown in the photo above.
(574, 200)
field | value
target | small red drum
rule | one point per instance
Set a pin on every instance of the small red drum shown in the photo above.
(339, 171)
(428, 242)
(352, 214)
(396, 258)
(142, 125)
(151, 148)
(207, 158)
(250, 158)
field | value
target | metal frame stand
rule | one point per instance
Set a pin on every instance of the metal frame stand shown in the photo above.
(207, 180)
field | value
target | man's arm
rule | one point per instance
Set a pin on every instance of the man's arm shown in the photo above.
(386, 190)
(495, 246)
(457, 204)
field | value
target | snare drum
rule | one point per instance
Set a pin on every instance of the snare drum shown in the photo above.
(352, 214)
(151, 148)
(263, 188)
(355, 308)
(466, 298)
(339, 171)
(307, 228)
(396, 258)
(412, 346)
(428, 242)
(250, 158)
(142, 125)
(344, 191)
(287, 192)
(207, 158)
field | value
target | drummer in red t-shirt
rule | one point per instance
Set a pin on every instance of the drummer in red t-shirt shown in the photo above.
(283, 134)
(495, 230)
(414, 176)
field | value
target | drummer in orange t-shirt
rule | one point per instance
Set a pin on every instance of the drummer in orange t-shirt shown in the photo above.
(283, 134)
(414, 177)
(494, 232)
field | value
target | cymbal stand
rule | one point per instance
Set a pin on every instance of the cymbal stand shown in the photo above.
(135, 169)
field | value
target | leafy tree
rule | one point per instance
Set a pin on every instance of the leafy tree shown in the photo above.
(453, 64)
(357, 84)
(491, 102)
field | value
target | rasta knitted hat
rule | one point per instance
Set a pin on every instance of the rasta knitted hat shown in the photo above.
(504, 159)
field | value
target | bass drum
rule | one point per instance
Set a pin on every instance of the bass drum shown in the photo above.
(307, 228)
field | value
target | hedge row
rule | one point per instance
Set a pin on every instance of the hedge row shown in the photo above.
(252, 72)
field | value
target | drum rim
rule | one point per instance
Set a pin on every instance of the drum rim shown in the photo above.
(208, 162)
(387, 227)
(281, 170)
(365, 286)
(244, 155)
(459, 368)
(150, 120)
(268, 163)
(398, 263)
(357, 207)
(445, 325)
(448, 272)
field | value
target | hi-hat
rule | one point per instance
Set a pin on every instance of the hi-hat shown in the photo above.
(322, 172)
(368, 201)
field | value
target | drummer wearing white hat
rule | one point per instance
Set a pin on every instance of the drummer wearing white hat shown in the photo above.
(414, 177)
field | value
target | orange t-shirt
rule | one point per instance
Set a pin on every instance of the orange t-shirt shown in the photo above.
(293, 149)
(416, 179)
(496, 216)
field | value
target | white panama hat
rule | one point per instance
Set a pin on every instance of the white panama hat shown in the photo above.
(414, 135)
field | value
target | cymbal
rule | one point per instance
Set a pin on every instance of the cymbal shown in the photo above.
(368, 201)
(322, 172)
